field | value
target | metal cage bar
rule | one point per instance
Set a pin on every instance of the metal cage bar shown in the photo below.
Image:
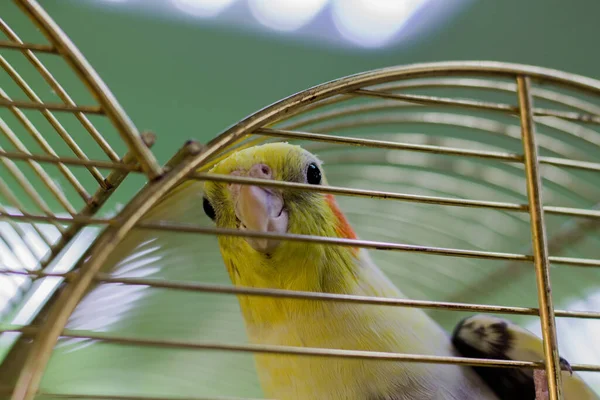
(366, 244)
(300, 295)
(129, 217)
(93, 81)
(540, 244)
(192, 163)
(61, 92)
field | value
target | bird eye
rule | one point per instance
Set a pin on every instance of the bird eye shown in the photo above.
(208, 208)
(313, 174)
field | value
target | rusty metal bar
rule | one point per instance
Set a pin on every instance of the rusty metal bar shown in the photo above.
(43, 48)
(50, 106)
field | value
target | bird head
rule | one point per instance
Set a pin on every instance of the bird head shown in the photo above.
(274, 210)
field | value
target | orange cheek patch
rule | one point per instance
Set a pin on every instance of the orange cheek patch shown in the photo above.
(343, 227)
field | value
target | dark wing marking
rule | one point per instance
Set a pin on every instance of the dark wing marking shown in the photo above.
(507, 383)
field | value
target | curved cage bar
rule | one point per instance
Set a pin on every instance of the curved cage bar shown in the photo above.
(467, 171)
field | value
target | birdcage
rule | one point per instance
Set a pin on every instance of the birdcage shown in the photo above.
(466, 180)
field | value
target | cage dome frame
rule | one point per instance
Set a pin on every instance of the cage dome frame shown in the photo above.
(191, 162)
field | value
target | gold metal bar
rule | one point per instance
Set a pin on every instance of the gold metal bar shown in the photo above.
(482, 84)
(540, 245)
(302, 351)
(14, 251)
(69, 161)
(52, 326)
(325, 122)
(567, 236)
(98, 88)
(494, 155)
(485, 84)
(62, 132)
(28, 188)
(342, 111)
(576, 164)
(382, 144)
(301, 295)
(130, 397)
(481, 105)
(50, 106)
(12, 199)
(359, 192)
(30, 374)
(43, 48)
(582, 262)
(35, 273)
(57, 315)
(190, 148)
(39, 171)
(60, 91)
(434, 100)
(22, 234)
(313, 351)
(43, 143)
(163, 225)
(178, 227)
(305, 351)
(573, 212)
(113, 180)
(382, 301)
(298, 351)
(446, 201)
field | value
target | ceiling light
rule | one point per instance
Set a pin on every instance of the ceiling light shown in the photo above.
(372, 23)
(285, 15)
(203, 8)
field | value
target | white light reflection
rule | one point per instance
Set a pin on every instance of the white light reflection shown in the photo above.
(372, 23)
(285, 15)
(203, 8)
(47, 285)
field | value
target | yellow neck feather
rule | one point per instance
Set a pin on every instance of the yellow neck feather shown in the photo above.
(296, 266)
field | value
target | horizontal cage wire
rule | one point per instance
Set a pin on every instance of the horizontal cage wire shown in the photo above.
(455, 135)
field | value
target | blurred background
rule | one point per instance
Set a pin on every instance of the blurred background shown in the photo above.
(191, 68)
(188, 69)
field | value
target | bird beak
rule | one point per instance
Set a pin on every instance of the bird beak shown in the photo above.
(259, 209)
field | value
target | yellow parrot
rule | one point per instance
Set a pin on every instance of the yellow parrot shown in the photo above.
(314, 267)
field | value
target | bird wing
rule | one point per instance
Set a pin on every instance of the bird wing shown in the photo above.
(484, 336)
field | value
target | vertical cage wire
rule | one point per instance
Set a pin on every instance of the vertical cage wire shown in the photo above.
(540, 243)
(303, 116)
